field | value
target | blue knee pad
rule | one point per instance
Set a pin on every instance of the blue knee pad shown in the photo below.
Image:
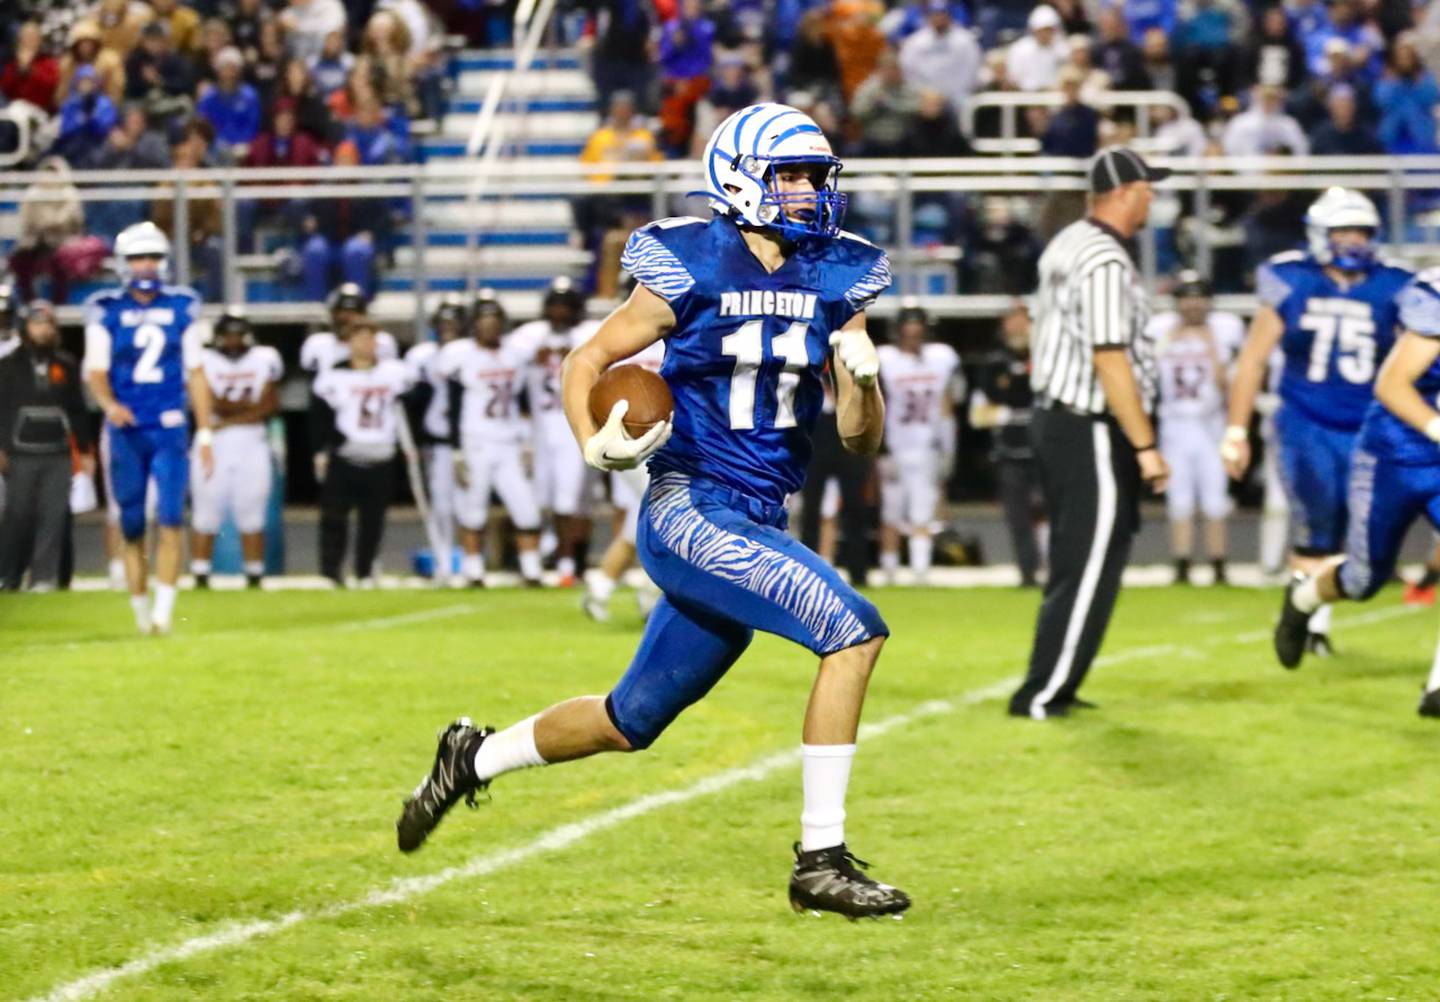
(683, 653)
(1314, 469)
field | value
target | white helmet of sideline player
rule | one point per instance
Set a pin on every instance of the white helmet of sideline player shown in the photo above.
(1342, 209)
(740, 162)
(143, 240)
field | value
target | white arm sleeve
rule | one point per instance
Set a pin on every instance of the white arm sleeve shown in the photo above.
(97, 348)
(192, 344)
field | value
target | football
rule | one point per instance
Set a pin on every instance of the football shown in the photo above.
(650, 399)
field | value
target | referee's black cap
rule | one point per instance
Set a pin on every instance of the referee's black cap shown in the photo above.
(1119, 165)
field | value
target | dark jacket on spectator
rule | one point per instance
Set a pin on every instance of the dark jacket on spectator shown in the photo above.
(39, 396)
(174, 74)
(1248, 60)
(1074, 131)
(36, 83)
(936, 137)
(1122, 62)
(1329, 141)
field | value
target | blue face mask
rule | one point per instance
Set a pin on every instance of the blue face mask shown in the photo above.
(145, 284)
(1352, 258)
(826, 204)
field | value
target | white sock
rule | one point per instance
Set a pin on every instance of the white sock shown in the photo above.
(889, 562)
(199, 567)
(472, 565)
(1433, 682)
(140, 604)
(549, 541)
(530, 564)
(508, 750)
(254, 568)
(920, 547)
(601, 585)
(566, 567)
(117, 574)
(1306, 596)
(164, 604)
(1319, 619)
(825, 773)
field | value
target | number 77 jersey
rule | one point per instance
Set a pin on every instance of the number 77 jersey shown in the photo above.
(745, 358)
(1335, 337)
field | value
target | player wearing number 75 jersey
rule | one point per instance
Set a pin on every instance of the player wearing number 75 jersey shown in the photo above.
(1332, 312)
(143, 345)
(751, 304)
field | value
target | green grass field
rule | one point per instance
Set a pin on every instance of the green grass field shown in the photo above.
(1221, 829)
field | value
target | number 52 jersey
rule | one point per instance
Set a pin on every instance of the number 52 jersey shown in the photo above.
(1335, 338)
(744, 361)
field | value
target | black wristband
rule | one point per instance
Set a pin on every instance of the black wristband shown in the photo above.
(1144, 448)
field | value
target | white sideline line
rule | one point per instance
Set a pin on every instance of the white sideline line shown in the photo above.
(405, 888)
(423, 616)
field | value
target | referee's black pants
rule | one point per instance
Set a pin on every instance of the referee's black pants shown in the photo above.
(366, 487)
(1091, 483)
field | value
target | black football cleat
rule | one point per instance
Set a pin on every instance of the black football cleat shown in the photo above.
(1430, 704)
(450, 778)
(831, 880)
(1319, 645)
(202, 582)
(1293, 629)
(254, 582)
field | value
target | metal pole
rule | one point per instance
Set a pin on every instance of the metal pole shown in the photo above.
(419, 240)
(234, 288)
(1396, 207)
(1205, 259)
(905, 232)
(182, 234)
(1148, 255)
(657, 197)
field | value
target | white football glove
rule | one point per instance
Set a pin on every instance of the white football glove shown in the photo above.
(857, 353)
(612, 448)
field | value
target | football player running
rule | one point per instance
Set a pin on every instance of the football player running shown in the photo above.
(1394, 479)
(920, 379)
(750, 303)
(242, 377)
(562, 480)
(1332, 312)
(143, 363)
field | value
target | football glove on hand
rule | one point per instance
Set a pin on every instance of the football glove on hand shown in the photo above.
(460, 469)
(612, 448)
(857, 353)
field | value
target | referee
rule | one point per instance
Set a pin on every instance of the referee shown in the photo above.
(1094, 378)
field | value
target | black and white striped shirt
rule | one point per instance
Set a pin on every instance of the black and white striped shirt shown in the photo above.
(1090, 297)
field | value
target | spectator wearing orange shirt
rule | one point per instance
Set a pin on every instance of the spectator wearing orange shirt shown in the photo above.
(857, 40)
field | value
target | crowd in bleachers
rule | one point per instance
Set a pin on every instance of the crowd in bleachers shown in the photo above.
(127, 85)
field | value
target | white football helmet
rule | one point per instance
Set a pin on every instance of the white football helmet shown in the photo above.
(143, 239)
(1338, 209)
(739, 168)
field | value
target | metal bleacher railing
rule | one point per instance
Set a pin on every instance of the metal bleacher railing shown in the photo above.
(1139, 102)
(518, 230)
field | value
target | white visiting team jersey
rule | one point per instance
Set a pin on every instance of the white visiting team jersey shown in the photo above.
(492, 380)
(545, 349)
(1189, 379)
(422, 360)
(366, 403)
(915, 388)
(242, 380)
(323, 350)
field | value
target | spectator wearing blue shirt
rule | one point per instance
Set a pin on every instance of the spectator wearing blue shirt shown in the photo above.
(1206, 26)
(686, 54)
(1345, 22)
(1142, 15)
(331, 66)
(231, 106)
(1307, 17)
(380, 137)
(86, 117)
(1407, 96)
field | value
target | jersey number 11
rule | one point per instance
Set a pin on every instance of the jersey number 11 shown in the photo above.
(747, 347)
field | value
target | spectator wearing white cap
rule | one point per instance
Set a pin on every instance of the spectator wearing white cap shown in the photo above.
(1034, 61)
(941, 56)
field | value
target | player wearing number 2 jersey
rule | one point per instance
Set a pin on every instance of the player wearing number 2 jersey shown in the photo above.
(1332, 312)
(750, 304)
(142, 361)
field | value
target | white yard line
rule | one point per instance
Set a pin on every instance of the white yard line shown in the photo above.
(405, 619)
(406, 888)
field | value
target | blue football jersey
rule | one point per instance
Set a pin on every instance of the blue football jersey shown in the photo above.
(1335, 338)
(147, 349)
(1385, 435)
(744, 361)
